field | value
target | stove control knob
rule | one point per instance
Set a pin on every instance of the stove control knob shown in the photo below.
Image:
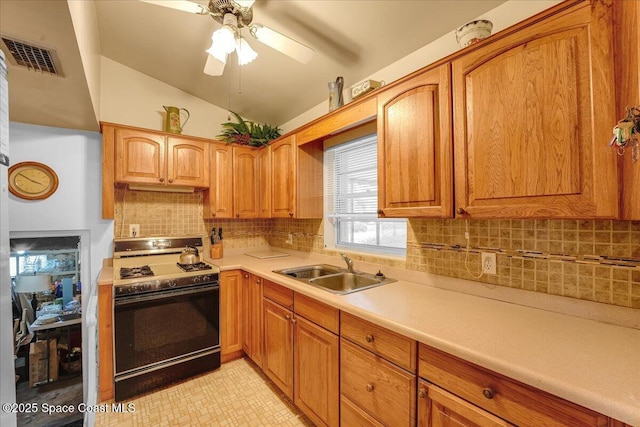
(206, 278)
(197, 279)
(172, 283)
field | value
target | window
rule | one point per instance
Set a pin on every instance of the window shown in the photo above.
(351, 201)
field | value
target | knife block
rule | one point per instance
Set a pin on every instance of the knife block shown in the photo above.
(216, 251)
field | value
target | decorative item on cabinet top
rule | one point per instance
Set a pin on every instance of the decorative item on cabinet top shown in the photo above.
(246, 132)
(172, 119)
(627, 134)
(474, 31)
(365, 87)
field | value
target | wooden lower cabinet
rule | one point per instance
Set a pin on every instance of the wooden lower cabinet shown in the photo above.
(277, 362)
(377, 386)
(439, 408)
(105, 342)
(230, 315)
(316, 372)
(508, 399)
(252, 317)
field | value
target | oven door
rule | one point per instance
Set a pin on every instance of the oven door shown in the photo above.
(163, 327)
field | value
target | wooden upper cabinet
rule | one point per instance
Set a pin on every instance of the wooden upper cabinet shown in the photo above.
(187, 162)
(140, 157)
(283, 177)
(218, 200)
(246, 182)
(414, 147)
(264, 177)
(152, 158)
(627, 54)
(533, 113)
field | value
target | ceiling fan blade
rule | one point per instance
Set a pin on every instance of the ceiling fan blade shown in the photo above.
(213, 66)
(282, 43)
(183, 5)
(245, 3)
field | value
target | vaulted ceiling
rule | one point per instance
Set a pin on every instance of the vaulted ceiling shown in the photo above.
(353, 39)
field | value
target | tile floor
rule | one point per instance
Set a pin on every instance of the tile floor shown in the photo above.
(238, 394)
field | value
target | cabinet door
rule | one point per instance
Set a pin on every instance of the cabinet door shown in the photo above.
(246, 182)
(414, 147)
(252, 317)
(283, 157)
(438, 408)
(187, 162)
(140, 157)
(316, 372)
(278, 346)
(533, 114)
(627, 54)
(265, 186)
(380, 388)
(218, 200)
(230, 313)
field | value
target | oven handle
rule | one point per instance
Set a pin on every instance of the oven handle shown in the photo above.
(125, 300)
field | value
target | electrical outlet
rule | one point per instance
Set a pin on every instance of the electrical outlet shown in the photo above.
(289, 240)
(134, 230)
(489, 263)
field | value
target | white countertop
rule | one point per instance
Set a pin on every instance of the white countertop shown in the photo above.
(588, 362)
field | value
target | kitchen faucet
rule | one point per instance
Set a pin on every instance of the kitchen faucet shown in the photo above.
(349, 262)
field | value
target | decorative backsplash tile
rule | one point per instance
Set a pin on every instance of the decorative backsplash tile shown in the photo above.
(584, 259)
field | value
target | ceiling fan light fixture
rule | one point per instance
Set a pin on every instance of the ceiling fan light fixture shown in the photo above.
(223, 40)
(244, 3)
(245, 53)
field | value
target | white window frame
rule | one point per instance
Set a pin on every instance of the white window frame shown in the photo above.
(332, 205)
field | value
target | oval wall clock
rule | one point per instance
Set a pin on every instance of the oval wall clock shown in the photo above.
(32, 180)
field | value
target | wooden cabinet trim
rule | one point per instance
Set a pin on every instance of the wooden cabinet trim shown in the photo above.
(106, 371)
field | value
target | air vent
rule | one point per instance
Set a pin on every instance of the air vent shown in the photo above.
(33, 57)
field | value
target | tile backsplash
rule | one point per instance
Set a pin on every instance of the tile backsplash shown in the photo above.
(584, 259)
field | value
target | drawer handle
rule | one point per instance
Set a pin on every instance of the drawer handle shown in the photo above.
(489, 393)
(370, 387)
(369, 338)
(422, 393)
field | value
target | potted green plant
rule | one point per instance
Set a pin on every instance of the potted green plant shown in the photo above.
(246, 132)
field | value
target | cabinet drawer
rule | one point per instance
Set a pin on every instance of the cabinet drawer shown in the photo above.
(390, 345)
(277, 293)
(379, 387)
(352, 416)
(319, 313)
(515, 402)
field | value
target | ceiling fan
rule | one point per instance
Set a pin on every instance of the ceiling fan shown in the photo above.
(233, 15)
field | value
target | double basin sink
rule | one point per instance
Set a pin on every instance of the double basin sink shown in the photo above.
(335, 279)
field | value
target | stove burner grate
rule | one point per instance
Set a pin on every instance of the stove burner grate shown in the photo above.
(134, 272)
(194, 267)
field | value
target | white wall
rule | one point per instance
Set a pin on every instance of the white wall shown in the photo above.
(503, 16)
(132, 98)
(76, 156)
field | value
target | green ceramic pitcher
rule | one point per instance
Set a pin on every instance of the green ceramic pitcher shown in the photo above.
(172, 119)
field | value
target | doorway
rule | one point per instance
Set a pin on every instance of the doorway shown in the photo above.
(46, 274)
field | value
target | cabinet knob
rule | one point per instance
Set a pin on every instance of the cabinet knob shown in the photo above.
(369, 338)
(213, 214)
(258, 281)
(370, 387)
(489, 393)
(287, 316)
(237, 215)
(380, 212)
(246, 276)
(422, 393)
(461, 211)
(161, 179)
(291, 214)
(170, 180)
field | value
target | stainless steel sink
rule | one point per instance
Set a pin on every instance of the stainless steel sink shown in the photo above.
(335, 279)
(310, 271)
